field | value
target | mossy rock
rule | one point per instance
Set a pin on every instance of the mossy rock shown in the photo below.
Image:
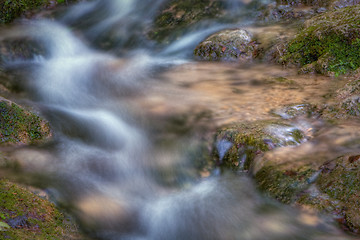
(338, 191)
(315, 175)
(330, 43)
(227, 45)
(283, 185)
(19, 126)
(177, 15)
(12, 9)
(28, 216)
(243, 142)
(345, 102)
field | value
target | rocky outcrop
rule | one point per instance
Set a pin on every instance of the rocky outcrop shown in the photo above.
(329, 43)
(227, 45)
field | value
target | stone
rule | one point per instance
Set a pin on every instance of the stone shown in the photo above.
(227, 45)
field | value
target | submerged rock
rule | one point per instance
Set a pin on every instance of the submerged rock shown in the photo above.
(293, 111)
(227, 45)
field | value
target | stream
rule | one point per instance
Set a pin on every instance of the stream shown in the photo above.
(125, 113)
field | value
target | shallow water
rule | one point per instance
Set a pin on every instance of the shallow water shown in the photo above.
(124, 123)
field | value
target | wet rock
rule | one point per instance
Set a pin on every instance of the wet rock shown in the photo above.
(338, 192)
(14, 9)
(19, 126)
(272, 42)
(176, 15)
(31, 217)
(316, 174)
(227, 45)
(283, 13)
(19, 49)
(249, 140)
(329, 42)
(297, 110)
(17, 56)
(352, 105)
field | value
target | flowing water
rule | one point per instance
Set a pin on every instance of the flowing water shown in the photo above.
(125, 111)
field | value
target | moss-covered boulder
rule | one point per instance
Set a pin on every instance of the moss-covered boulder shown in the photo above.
(227, 45)
(236, 146)
(328, 44)
(177, 15)
(316, 174)
(13, 9)
(24, 215)
(19, 126)
(337, 191)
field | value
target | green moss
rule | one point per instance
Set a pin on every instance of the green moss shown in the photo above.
(247, 139)
(250, 139)
(12, 9)
(343, 181)
(339, 185)
(331, 42)
(20, 126)
(283, 185)
(42, 219)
